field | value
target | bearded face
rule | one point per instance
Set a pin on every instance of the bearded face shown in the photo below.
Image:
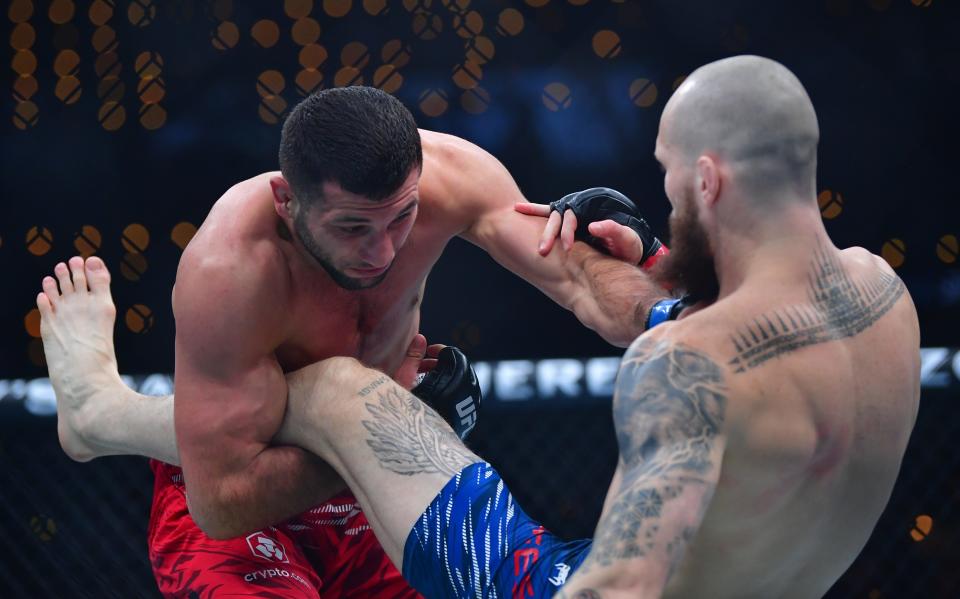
(325, 257)
(690, 265)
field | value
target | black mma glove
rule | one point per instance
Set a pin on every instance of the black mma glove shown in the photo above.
(452, 389)
(602, 203)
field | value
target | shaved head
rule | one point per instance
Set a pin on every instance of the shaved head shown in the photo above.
(742, 129)
(753, 114)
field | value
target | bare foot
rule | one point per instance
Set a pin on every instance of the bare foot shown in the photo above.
(77, 329)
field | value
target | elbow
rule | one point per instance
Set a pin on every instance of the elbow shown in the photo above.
(215, 530)
(622, 585)
(223, 533)
(610, 329)
(618, 339)
(613, 334)
(207, 512)
(618, 589)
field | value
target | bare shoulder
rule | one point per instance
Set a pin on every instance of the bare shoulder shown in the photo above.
(240, 196)
(233, 272)
(449, 151)
(859, 257)
(443, 159)
(464, 176)
(255, 184)
(688, 342)
(231, 307)
(239, 231)
(253, 190)
(872, 269)
(704, 326)
(460, 167)
(234, 257)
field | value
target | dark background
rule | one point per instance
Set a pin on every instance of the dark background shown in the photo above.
(883, 75)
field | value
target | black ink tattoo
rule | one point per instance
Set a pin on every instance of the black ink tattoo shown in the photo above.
(364, 391)
(409, 438)
(838, 308)
(668, 410)
(676, 547)
(667, 396)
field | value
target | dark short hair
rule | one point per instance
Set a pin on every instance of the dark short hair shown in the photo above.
(361, 138)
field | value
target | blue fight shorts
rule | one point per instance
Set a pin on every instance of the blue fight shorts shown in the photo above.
(474, 541)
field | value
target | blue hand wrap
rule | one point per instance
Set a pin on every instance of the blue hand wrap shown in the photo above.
(661, 312)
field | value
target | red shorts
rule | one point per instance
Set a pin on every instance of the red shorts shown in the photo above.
(328, 551)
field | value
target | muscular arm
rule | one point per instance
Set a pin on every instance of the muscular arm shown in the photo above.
(611, 296)
(668, 411)
(230, 397)
(606, 294)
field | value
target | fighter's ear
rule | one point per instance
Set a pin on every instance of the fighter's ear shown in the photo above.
(708, 180)
(282, 196)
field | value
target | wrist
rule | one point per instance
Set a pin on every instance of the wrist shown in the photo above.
(647, 262)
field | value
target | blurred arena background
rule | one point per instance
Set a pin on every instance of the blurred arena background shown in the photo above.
(126, 120)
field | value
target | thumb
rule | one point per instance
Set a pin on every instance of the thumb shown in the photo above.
(622, 241)
(601, 228)
(406, 374)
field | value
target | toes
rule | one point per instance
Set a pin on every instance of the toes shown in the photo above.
(63, 276)
(50, 289)
(76, 271)
(44, 305)
(98, 277)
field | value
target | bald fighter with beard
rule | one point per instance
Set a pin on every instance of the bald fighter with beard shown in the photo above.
(760, 434)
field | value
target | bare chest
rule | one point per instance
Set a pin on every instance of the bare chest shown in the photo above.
(374, 325)
(373, 329)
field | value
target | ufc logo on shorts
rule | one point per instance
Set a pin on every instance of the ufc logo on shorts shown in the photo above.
(467, 410)
(267, 547)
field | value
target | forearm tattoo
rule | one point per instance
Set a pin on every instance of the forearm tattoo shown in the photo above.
(408, 437)
(838, 307)
(668, 409)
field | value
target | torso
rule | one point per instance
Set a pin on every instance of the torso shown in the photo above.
(815, 435)
(374, 325)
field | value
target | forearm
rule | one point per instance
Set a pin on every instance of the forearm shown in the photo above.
(613, 298)
(279, 483)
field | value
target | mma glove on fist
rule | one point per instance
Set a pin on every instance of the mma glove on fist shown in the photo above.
(452, 389)
(602, 203)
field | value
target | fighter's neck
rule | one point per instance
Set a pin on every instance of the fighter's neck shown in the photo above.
(775, 251)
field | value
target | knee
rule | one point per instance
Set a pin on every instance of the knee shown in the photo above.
(314, 387)
(337, 369)
(323, 375)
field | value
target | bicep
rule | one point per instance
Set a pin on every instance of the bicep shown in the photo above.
(223, 423)
(230, 392)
